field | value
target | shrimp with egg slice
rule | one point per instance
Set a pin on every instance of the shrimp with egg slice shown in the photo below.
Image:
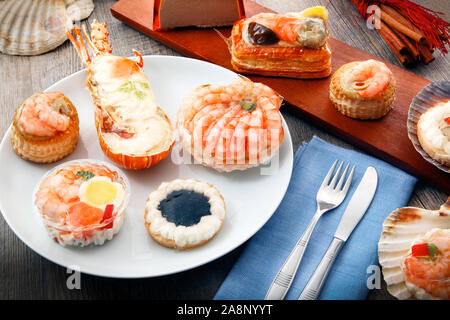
(82, 202)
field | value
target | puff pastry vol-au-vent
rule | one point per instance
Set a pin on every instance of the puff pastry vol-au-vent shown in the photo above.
(286, 45)
(363, 89)
(45, 128)
(433, 132)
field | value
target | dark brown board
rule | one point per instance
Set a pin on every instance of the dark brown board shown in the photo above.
(386, 138)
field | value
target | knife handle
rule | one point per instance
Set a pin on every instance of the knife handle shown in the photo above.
(315, 283)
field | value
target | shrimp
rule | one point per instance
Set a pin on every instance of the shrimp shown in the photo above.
(431, 274)
(285, 26)
(231, 127)
(309, 31)
(40, 115)
(59, 192)
(56, 193)
(124, 103)
(369, 78)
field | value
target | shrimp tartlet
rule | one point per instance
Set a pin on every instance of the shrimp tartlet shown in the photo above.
(82, 202)
(293, 45)
(231, 127)
(363, 89)
(184, 213)
(45, 128)
(433, 132)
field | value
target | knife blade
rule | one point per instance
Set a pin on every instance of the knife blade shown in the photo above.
(356, 208)
(358, 204)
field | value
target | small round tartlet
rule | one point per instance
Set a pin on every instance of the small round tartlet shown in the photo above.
(82, 202)
(45, 128)
(184, 213)
(433, 132)
(363, 90)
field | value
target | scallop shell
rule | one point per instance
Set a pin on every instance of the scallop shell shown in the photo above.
(400, 229)
(79, 9)
(427, 98)
(31, 27)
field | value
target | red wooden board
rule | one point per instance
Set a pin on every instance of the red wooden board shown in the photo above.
(385, 138)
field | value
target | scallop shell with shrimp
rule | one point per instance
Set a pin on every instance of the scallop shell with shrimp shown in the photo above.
(400, 229)
(427, 101)
(31, 27)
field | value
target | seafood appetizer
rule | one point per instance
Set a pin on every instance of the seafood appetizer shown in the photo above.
(82, 202)
(45, 128)
(133, 131)
(184, 213)
(30, 27)
(231, 127)
(431, 109)
(414, 252)
(433, 132)
(286, 45)
(363, 89)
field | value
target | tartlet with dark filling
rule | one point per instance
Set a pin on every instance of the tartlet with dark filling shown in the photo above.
(184, 213)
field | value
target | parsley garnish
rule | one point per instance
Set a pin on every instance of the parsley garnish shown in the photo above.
(130, 87)
(86, 175)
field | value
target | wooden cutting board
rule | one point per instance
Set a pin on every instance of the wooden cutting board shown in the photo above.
(385, 138)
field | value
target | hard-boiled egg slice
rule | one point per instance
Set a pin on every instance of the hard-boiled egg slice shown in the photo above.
(101, 191)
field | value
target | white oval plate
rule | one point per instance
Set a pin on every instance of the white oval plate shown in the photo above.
(251, 197)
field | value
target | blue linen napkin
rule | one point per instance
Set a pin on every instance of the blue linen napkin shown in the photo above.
(265, 252)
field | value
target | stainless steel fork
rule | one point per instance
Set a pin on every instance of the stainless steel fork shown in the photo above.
(329, 196)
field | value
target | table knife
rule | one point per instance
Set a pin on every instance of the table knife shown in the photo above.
(355, 210)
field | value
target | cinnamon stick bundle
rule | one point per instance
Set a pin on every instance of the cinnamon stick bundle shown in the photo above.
(390, 13)
(398, 47)
(410, 30)
(411, 36)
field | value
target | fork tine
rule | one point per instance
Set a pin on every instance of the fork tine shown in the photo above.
(336, 175)
(349, 180)
(341, 180)
(328, 176)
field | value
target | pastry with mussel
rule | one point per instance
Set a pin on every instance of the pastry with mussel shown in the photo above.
(184, 213)
(82, 202)
(287, 45)
(363, 89)
(433, 132)
(45, 127)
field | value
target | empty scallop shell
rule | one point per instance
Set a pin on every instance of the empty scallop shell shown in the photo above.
(400, 229)
(31, 27)
(79, 9)
(427, 98)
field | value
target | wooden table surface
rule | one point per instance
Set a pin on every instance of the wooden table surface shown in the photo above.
(26, 275)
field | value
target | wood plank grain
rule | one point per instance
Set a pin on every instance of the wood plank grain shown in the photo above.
(385, 138)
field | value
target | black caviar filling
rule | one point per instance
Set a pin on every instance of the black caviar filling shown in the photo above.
(184, 207)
